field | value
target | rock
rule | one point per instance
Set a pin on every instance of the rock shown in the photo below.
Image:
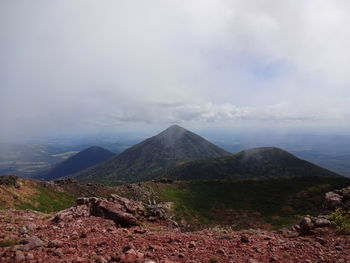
(132, 256)
(244, 239)
(332, 201)
(79, 260)
(29, 256)
(140, 231)
(152, 219)
(181, 255)
(19, 256)
(23, 230)
(221, 251)
(58, 252)
(115, 210)
(9, 180)
(251, 260)
(65, 181)
(128, 205)
(32, 243)
(306, 225)
(339, 248)
(71, 213)
(69, 250)
(320, 240)
(128, 247)
(321, 222)
(192, 244)
(55, 243)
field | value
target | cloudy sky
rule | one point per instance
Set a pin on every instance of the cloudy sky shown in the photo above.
(102, 65)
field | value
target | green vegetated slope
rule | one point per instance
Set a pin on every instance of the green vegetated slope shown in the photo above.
(258, 162)
(247, 203)
(35, 195)
(47, 200)
(150, 158)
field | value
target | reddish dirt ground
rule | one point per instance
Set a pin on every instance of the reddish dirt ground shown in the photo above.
(94, 239)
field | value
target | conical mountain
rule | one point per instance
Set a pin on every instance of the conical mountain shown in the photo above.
(257, 162)
(148, 159)
(78, 162)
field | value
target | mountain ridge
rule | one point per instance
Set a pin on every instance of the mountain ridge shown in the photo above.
(255, 162)
(151, 157)
(80, 161)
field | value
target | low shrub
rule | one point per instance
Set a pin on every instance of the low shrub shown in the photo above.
(341, 220)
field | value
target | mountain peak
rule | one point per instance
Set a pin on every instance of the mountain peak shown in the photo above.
(149, 158)
(175, 135)
(80, 161)
(173, 130)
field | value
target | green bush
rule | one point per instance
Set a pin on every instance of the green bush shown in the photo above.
(341, 220)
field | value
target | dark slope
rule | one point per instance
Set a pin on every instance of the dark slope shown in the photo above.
(258, 162)
(78, 162)
(153, 156)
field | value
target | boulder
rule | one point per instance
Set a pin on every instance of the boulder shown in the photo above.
(132, 256)
(9, 180)
(321, 221)
(109, 210)
(71, 213)
(306, 225)
(98, 207)
(130, 206)
(31, 243)
(332, 201)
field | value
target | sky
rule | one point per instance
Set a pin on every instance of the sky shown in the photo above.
(90, 66)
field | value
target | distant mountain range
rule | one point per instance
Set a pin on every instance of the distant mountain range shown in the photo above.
(78, 162)
(257, 162)
(182, 155)
(152, 157)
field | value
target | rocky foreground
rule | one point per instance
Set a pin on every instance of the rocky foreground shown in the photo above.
(120, 230)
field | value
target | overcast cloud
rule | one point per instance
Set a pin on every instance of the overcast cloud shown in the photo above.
(86, 64)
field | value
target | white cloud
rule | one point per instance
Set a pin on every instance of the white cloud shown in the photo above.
(78, 64)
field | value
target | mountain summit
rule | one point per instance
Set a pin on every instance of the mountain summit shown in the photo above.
(257, 162)
(148, 159)
(78, 162)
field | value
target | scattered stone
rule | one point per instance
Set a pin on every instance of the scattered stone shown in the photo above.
(55, 243)
(339, 248)
(306, 225)
(9, 180)
(244, 239)
(140, 231)
(221, 251)
(132, 256)
(321, 222)
(19, 256)
(32, 243)
(128, 247)
(192, 244)
(320, 240)
(29, 256)
(181, 255)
